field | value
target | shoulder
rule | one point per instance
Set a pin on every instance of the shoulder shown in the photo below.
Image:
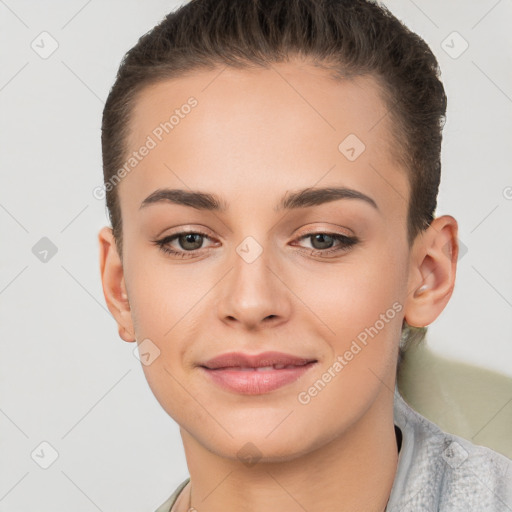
(442, 471)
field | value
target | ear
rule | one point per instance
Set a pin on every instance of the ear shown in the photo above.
(432, 271)
(114, 288)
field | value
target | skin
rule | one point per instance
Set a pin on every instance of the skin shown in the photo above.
(254, 136)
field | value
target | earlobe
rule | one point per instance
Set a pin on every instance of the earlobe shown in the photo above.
(113, 283)
(432, 272)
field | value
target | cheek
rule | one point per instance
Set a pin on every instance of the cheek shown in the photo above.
(161, 294)
(166, 303)
(362, 303)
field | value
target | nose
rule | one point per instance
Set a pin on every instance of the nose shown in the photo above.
(254, 294)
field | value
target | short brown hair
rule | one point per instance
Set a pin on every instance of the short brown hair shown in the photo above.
(346, 37)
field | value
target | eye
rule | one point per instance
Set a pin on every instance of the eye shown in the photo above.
(190, 242)
(323, 243)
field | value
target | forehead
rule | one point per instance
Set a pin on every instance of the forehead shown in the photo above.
(289, 126)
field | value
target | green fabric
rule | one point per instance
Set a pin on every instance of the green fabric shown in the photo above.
(166, 506)
(471, 402)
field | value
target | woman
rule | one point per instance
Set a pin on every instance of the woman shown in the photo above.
(271, 171)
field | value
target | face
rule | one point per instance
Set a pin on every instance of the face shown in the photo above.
(323, 278)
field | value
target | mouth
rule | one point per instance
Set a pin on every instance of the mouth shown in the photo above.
(260, 368)
(256, 374)
(259, 362)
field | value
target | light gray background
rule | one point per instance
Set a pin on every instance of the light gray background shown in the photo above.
(66, 378)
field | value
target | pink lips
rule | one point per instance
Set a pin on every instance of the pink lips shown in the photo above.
(252, 375)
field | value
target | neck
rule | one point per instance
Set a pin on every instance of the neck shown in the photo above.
(352, 472)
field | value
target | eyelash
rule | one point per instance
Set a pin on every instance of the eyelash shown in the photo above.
(346, 243)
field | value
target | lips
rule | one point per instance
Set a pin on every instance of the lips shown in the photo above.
(266, 361)
(258, 374)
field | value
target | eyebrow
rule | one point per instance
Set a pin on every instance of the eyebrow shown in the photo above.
(294, 200)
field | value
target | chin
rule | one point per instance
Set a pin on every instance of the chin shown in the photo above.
(252, 445)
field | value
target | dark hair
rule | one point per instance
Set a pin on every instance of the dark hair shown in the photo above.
(348, 38)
